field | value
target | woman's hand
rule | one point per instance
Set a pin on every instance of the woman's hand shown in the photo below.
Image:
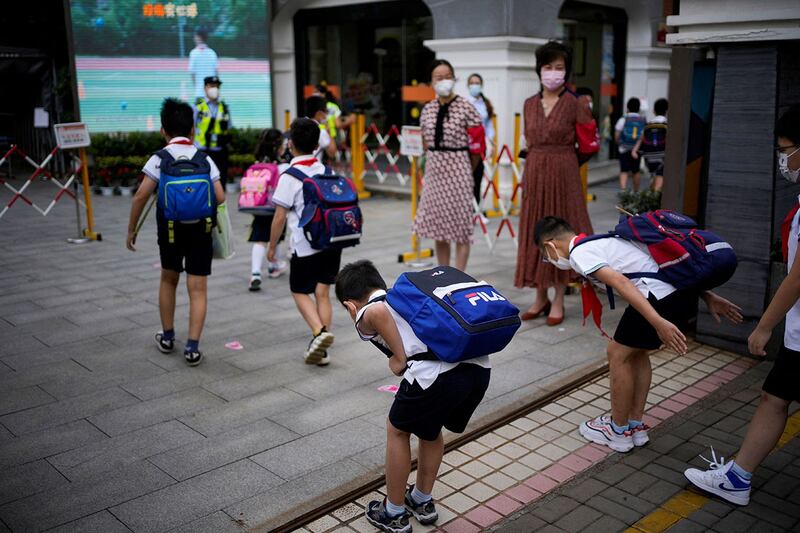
(671, 336)
(719, 307)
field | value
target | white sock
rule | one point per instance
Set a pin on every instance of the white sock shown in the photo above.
(257, 258)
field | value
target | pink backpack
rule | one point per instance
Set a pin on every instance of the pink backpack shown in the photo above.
(257, 187)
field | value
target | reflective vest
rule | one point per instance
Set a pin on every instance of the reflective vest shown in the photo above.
(203, 123)
(334, 112)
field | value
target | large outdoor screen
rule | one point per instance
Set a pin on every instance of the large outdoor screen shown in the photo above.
(131, 54)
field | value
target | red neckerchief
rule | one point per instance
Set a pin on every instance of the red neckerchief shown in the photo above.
(591, 303)
(786, 228)
(181, 141)
(305, 162)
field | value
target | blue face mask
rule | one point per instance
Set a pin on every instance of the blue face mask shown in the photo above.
(475, 90)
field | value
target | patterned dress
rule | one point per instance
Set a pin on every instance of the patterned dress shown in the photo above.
(551, 184)
(445, 207)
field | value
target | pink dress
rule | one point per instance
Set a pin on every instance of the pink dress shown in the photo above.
(445, 206)
(551, 184)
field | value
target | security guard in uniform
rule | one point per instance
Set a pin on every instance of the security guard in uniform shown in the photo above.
(211, 125)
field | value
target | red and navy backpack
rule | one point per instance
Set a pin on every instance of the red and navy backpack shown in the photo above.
(331, 218)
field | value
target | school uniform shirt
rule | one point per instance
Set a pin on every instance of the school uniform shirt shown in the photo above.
(621, 255)
(289, 194)
(179, 148)
(423, 372)
(658, 119)
(324, 142)
(791, 335)
(620, 125)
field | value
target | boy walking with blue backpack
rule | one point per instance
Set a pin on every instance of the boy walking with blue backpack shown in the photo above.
(628, 132)
(189, 191)
(661, 302)
(437, 327)
(652, 145)
(323, 216)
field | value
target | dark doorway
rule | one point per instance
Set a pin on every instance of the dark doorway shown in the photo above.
(368, 51)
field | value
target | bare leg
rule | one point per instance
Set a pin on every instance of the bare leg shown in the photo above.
(462, 256)
(305, 304)
(443, 252)
(398, 463)
(643, 375)
(430, 458)
(623, 378)
(623, 180)
(166, 298)
(557, 310)
(198, 303)
(658, 183)
(637, 181)
(541, 300)
(763, 432)
(324, 309)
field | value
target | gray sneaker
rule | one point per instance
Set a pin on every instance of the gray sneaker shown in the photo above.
(376, 515)
(425, 513)
(318, 347)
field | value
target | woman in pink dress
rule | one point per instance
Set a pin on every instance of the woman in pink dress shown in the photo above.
(551, 180)
(445, 206)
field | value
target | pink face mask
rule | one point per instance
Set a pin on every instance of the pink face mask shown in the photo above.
(552, 79)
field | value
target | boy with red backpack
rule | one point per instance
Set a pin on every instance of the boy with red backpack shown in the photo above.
(661, 302)
(628, 132)
(257, 189)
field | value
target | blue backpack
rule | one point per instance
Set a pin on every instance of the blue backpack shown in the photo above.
(631, 131)
(687, 257)
(185, 191)
(457, 317)
(331, 218)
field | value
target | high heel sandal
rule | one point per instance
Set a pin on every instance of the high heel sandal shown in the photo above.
(554, 321)
(527, 315)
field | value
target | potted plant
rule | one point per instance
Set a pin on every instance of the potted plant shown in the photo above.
(127, 180)
(105, 182)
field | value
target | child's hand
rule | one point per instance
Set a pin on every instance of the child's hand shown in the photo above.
(719, 307)
(130, 241)
(397, 366)
(271, 254)
(758, 340)
(634, 154)
(672, 336)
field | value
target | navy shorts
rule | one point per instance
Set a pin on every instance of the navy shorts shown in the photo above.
(628, 164)
(449, 402)
(191, 250)
(305, 273)
(635, 331)
(782, 379)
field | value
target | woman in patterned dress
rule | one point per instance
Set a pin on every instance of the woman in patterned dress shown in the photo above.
(551, 180)
(445, 207)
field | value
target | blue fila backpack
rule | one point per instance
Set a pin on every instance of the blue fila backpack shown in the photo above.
(457, 317)
(331, 218)
(687, 257)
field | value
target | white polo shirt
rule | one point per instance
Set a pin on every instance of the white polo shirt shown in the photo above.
(791, 335)
(619, 254)
(289, 194)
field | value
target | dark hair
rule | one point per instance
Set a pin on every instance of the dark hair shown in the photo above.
(203, 34)
(440, 62)
(789, 125)
(356, 281)
(269, 142)
(549, 52)
(661, 106)
(304, 134)
(550, 228)
(322, 88)
(633, 105)
(315, 104)
(177, 118)
(489, 106)
(584, 91)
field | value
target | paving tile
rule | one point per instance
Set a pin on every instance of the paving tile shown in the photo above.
(578, 519)
(217, 522)
(326, 523)
(474, 449)
(495, 460)
(456, 458)
(552, 452)
(460, 525)
(503, 504)
(522, 493)
(458, 502)
(535, 461)
(499, 481)
(476, 469)
(479, 492)
(529, 441)
(512, 450)
(196, 497)
(517, 471)
(558, 472)
(48, 442)
(541, 483)
(554, 508)
(102, 522)
(20, 399)
(457, 479)
(483, 516)
(27, 479)
(525, 424)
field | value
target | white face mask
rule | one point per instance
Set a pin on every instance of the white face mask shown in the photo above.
(475, 90)
(444, 88)
(591, 107)
(562, 263)
(783, 166)
(213, 92)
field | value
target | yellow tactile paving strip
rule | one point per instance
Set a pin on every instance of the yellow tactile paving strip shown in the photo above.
(488, 479)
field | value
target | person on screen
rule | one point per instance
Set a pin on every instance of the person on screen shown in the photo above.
(203, 63)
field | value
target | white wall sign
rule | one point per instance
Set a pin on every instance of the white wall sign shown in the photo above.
(72, 135)
(411, 141)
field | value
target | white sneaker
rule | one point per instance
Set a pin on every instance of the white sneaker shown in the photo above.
(639, 435)
(317, 348)
(719, 480)
(600, 431)
(325, 360)
(277, 269)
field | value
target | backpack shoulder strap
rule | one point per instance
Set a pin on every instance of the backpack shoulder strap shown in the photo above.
(165, 155)
(202, 158)
(328, 171)
(296, 173)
